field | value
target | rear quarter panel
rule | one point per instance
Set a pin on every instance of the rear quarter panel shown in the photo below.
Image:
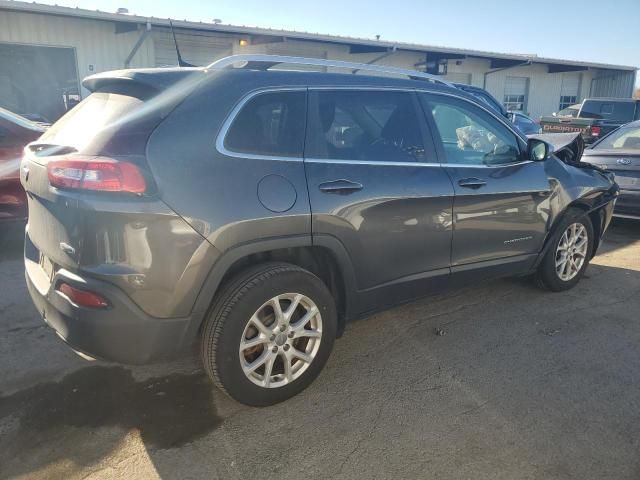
(218, 194)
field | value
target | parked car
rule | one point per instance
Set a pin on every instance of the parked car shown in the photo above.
(619, 152)
(256, 211)
(596, 118)
(15, 133)
(485, 97)
(525, 124)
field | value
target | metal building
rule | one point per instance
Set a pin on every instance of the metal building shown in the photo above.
(45, 51)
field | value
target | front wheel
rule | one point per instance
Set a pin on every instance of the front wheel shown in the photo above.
(269, 334)
(567, 258)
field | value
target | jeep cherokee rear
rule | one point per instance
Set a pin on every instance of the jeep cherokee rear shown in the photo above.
(256, 211)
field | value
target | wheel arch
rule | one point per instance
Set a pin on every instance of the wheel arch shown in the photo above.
(595, 212)
(325, 257)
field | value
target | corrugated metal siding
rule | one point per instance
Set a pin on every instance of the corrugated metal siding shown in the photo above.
(95, 42)
(197, 49)
(608, 83)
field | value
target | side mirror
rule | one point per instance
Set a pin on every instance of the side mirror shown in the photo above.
(538, 150)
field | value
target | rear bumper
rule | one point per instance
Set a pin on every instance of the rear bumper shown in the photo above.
(628, 204)
(121, 333)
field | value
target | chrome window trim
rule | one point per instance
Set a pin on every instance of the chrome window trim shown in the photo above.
(497, 165)
(234, 113)
(371, 162)
(244, 100)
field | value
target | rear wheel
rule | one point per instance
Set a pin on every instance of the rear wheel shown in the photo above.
(566, 260)
(269, 334)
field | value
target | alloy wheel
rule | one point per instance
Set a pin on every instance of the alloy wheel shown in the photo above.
(572, 251)
(280, 340)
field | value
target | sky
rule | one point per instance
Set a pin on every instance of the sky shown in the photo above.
(606, 31)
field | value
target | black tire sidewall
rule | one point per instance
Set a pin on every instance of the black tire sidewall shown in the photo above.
(548, 273)
(235, 319)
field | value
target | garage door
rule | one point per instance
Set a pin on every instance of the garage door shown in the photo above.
(196, 49)
(570, 90)
(515, 93)
(40, 83)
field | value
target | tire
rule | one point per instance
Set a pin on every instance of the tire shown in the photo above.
(565, 276)
(251, 295)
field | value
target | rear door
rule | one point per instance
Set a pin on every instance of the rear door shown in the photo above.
(375, 185)
(501, 198)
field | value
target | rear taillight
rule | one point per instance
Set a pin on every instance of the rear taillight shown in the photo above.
(595, 131)
(82, 298)
(96, 173)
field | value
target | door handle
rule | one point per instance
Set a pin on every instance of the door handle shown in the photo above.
(472, 182)
(341, 187)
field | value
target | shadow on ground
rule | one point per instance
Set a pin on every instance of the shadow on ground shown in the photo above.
(167, 412)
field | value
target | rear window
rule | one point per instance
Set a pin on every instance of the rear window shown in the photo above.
(90, 126)
(270, 124)
(627, 138)
(608, 110)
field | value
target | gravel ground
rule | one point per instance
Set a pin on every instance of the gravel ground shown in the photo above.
(498, 381)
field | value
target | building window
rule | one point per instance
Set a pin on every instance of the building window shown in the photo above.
(515, 93)
(567, 100)
(570, 89)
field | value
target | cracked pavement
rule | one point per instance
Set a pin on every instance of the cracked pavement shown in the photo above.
(524, 385)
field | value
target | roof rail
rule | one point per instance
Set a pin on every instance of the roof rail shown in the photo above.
(265, 62)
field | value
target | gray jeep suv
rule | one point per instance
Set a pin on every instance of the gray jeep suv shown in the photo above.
(256, 210)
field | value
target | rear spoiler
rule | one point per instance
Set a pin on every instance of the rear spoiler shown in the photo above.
(155, 79)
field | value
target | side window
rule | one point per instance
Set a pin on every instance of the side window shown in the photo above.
(364, 125)
(470, 136)
(270, 123)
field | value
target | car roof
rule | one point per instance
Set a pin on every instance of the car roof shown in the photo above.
(160, 78)
(612, 99)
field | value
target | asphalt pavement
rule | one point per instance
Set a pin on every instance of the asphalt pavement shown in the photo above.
(495, 381)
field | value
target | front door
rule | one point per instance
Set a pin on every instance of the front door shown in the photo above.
(375, 185)
(501, 197)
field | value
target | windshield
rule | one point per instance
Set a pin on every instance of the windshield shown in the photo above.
(627, 138)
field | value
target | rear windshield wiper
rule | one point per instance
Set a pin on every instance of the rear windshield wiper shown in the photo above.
(47, 150)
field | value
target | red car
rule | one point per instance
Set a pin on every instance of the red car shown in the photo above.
(15, 133)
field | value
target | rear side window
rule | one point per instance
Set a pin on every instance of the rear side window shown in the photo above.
(616, 111)
(364, 125)
(270, 124)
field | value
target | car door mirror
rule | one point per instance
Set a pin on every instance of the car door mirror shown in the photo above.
(538, 150)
